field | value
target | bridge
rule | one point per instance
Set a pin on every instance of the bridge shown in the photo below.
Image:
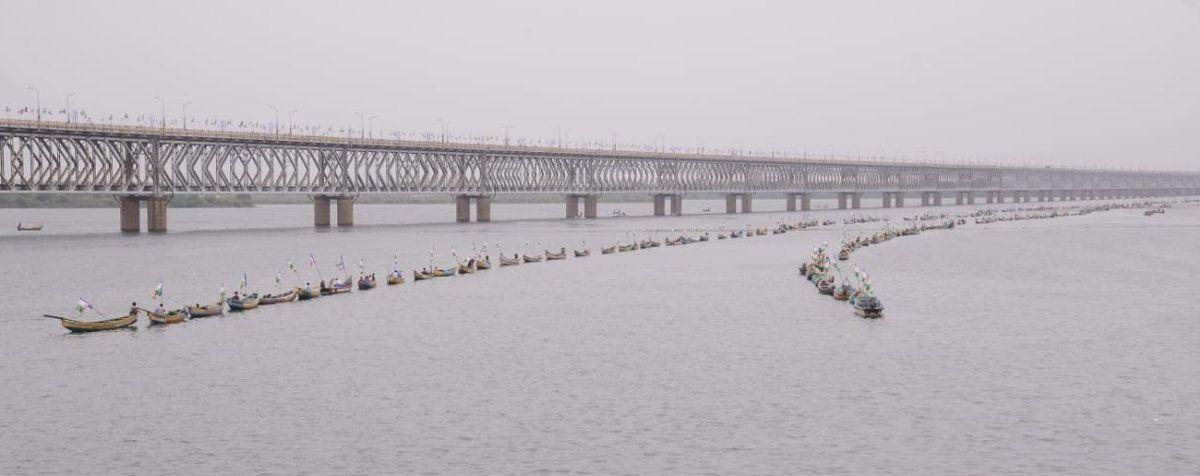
(152, 165)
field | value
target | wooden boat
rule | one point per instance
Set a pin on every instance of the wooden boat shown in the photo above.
(442, 273)
(843, 255)
(533, 259)
(721, 236)
(244, 303)
(562, 254)
(624, 248)
(582, 253)
(30, 227)
(309, 293)
(843, 292)
(338, 288)
(394, 278)
(825, 286)
(868, 306)
(280, 298)
(483, 264)
(172, 317)
(206, 310)
(421, 275)
(93, 326)
(367, 283)
(704, 237)
(505, 261)
(608, 251)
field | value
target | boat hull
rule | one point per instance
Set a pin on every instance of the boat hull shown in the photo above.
(95, 326)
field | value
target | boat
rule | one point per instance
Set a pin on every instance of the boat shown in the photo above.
(506, 261)
(466, 268)
(843, 255)
(721, 236)
(562, 254)
(243, 303)
(279, 298)
(29, 227)
(198, 310)
(532, 259)
(442, 273)
(868, 306)
(582, 253)
(421, 275)
(608, 251)
(93, 326)
(173, 317)
(703, 237)
(624, 248)
(825, 286)
(843, 292)
(367, 282)
(395, 277)
(483, 264)
(308, 293)
(338, 287)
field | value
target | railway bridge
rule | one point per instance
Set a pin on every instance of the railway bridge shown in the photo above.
(153, 165)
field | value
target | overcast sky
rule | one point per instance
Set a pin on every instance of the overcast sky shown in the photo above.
(1088, 82)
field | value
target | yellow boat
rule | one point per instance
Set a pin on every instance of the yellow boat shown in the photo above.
(93, 326)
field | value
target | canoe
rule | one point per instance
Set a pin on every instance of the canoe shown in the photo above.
(721, 236)
(843, 292)
(843, 255)
(93, 326)
(337, 288)
(624, 248)
(243, 304)
(509, 261)
(825, 286)
(582, 253)
(868, 306)
(395, 278)
(207, 310)
(466, 269)
(309, 293)
(608, 251)
(482, 264)
(704, 237)
(532, 259)
(421, 275)
(24, 227)
(168, 318)
(562, 254)
(279, 298)
(442, 273)
(366, 283)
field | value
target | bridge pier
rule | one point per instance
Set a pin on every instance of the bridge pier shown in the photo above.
(589, 206)
(320, 211)
(887, 200)
(462, 208)
(747, 202)
(676, 204)
(131, 219)
(660, 204)
(731, 203)
(345, 211)
(572, 206)
(931, 199)
(156, 214)
(805, 201)
(849, 200)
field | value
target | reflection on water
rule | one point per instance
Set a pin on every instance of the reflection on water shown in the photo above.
(1011, 347)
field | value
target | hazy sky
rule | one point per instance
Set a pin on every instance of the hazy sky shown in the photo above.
(1108, 83)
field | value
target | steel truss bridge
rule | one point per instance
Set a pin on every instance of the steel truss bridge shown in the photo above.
(141, 163)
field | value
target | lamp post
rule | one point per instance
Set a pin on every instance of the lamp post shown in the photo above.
(69, 107)
(276, 111)
(163, 102)
(506, 128)
(290, 113)
(614, 140)
(371, 126)
(38, 95)
(185, 105)
(443, 122)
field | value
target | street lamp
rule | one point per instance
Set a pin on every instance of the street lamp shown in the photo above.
(443, 121)
(371, 126)
(614, 140)
(506, 128)
(276, 111)
(38, 95)
(290, 113)
(163, 102)
(69, 107)
(362, 125)
(185, 105)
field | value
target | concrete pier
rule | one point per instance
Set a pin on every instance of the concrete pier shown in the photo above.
(320, 211)
(805, 201)
(843, 200)
(572, 206)
(131, 219)
(747, 203)
(931, 199)
(462, 208)
(156, 214)
(676, 204)
(660, 204)
(589, 206)
(731, 203)
(483, 209)
(345, 211)
(893, 199)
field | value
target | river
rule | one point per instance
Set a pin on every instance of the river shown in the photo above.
(1063, 346)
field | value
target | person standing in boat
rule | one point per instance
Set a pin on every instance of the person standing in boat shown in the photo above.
(133, 308)
(160, 310)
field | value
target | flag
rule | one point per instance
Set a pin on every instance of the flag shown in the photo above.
(361, 267)
(278, 278)
(341, 262)
(221, 296)
(158, 291)
(245, 281)
(312, 261)
(82, 305)
(291, 266)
